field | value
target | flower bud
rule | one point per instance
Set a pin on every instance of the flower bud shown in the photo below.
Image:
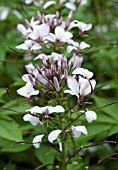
(56, 84)
(65, 73)
(39, 15)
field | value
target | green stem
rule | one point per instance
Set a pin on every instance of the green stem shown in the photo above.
(63, 166)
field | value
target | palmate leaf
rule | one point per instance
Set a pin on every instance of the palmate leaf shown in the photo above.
(9, 130)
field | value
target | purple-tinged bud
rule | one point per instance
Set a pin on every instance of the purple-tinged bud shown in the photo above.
(44, 69)
(67, 22)
(78, 64)
(48, 20)
(70, 14)
(53, 67)
(65, 73)
(59, 70)
(27, 23)
(38, 68)
(56, 84)
(28, 69)
(60, 20)
(64, 64)
(57, 14)
(59, 61)
(31, 79)
(39, 15)
(48, 72)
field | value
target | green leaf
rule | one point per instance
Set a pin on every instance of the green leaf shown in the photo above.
(15, 148)
(10, 130)
(45, 154)
(110, 110)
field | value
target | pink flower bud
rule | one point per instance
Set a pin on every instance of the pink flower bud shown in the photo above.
(31, 79)
(65, 73)
(27, 23)
(39, 15)
(56, 84)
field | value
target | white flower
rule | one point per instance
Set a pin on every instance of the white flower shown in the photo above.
(26, 45)
(83, 72)
(49, 3)
(32, 119)
(82, 26)
(70, 6)
(73, 85)
(37, 140)
(28, 1)
(27, 90)
(4, 11)
(39, 32)
(76, 46)
(90, 116)
(23, 30)
(53, 135)
(77, 130)
(86, 86)
(51, 109)
(60, 35)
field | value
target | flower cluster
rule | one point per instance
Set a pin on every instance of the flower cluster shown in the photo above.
(71, 4)
(51, 33)
(51, 80)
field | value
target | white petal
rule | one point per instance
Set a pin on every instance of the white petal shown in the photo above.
(32, 119)
(90, 116)
(76, 130)
(84, 72)
(18, 14)
(59, 32)
(4, 11)
(69, 91)
(36, 46)
(41, 56)
(49, 3)
(51, 37)
(56, 109)
(71, 6)
(84, 45)
(86, 86)
(32, 36)
(22, 47)
(66, 37)
(55, 56)
(70, 48)
(75, 44)
(27, 90)
(37, 140)
(28, 1)
(22, 29)
(37, 109)
(53, 135)
(73, 84)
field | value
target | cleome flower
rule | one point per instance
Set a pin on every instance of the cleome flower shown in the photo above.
(45, 111)
(76, 46)
(60, 35)
(27, 91)
(82, 87)
(77, 130)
